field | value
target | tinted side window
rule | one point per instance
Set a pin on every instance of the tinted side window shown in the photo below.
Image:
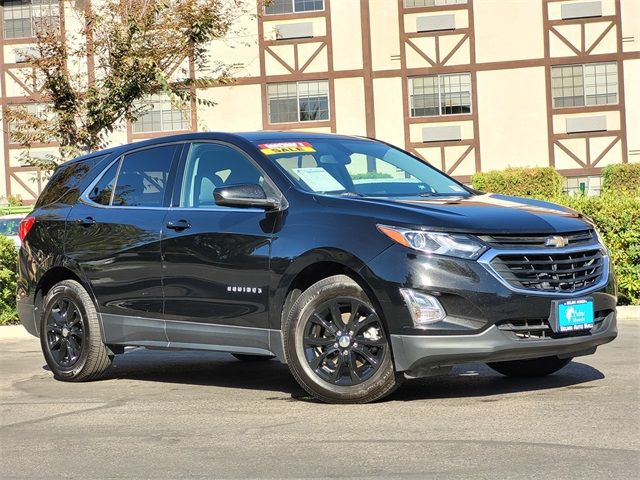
(210, 166)
(143, 177)
(101, 192)
(67, 182)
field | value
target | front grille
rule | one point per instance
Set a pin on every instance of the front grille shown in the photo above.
(541, 329)
(522, 241)
(551, 272)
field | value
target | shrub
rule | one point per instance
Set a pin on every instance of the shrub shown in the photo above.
(623, 177)
(538, 182)
(14, 200)
(362, 176)
(617, 218)
(8, 268)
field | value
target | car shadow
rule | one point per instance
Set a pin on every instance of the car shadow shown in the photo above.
(223, 370)
(479, 381)
(202, 368)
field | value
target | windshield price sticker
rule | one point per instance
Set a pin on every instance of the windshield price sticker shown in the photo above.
(318, 179)
(286, 147)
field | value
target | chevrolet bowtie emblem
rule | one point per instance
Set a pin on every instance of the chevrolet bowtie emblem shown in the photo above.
(556, 241)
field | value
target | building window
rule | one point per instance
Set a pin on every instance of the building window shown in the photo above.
(38, 110)
(293, 6)
(583, 185)
(298, 101)
(440, 95)
(580, 85)
(162, 115)
(24, 18)
(431, 3)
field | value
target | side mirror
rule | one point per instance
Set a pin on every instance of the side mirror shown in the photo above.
(244, 195)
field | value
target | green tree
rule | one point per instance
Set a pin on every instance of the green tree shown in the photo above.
(138, 48)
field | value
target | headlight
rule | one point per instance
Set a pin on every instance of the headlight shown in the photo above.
(451, 244)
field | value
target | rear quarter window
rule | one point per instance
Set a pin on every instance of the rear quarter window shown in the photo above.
(143, 177)
(68, 181)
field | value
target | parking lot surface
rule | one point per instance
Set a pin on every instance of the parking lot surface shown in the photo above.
(207, 415)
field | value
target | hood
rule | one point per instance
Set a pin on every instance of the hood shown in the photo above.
(484, 213)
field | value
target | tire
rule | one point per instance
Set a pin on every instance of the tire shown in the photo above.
(535, 367)
(315, 344)
(71, 338)
(243, 357)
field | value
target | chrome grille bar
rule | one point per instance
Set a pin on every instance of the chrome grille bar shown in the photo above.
(546, 271)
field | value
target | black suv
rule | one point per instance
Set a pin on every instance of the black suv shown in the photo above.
(352, 261)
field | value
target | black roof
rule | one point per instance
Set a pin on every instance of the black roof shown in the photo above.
(260, 135)
(287, 135)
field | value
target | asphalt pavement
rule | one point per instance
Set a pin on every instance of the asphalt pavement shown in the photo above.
(207, 415)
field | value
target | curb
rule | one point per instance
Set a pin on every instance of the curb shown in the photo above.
(15, 332)
(629, 312)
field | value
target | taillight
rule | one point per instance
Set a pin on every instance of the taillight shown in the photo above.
(25, 226)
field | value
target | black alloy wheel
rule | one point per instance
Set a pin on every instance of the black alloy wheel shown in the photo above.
(71, 334)
(336, 344)
(344, 341)
(65, 332)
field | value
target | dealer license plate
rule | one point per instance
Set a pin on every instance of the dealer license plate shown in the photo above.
(573, 315)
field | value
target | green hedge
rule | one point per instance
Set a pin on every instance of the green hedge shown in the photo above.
(362, 176)
(7, 210)
(8, 266)
(622, 177)
(533, 182)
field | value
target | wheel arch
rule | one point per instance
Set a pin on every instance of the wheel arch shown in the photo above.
(52, 276)
(311, 268)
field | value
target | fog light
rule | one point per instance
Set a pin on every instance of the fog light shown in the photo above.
(424, 308)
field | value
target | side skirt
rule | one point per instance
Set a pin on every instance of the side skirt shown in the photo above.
(184, 335)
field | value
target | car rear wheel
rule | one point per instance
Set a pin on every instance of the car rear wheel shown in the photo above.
(243, 357)
(70, 334)
(336, 345)
(535, 367)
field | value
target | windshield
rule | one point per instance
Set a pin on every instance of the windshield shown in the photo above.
(9, 226)
(358, 167)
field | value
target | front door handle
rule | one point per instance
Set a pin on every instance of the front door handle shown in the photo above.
(86, 222)
(179, 225)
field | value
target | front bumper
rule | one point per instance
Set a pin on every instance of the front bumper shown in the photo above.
(479, 307)
(422, 355)
(472, 297)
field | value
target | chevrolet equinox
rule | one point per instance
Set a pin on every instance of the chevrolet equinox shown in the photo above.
(354, 262)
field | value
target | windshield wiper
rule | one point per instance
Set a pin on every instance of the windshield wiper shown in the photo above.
(352, 194)
(437, 194)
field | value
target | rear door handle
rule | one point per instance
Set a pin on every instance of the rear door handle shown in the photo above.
(86, 222)
(179, 225)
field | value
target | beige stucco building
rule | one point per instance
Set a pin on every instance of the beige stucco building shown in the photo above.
(468, 85)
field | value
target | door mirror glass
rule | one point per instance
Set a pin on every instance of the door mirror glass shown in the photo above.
(244, 195)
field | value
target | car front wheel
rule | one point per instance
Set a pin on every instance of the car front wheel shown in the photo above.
(336, 345)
